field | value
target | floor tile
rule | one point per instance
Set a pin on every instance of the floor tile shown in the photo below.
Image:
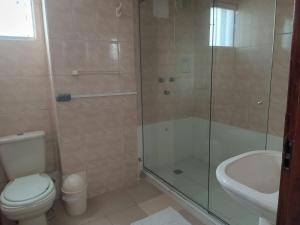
(100, 221)
(62, 218)
(193, 182)
(143, 192)
(127, 216)
(121, 207)
(189, 217)
(156, 204)
(115, 201)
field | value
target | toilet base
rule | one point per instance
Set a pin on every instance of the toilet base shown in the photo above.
(263, 221)
(41, 220)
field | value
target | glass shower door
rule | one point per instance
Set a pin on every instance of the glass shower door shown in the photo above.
(206, 74)
(176, 81)
(243, 37)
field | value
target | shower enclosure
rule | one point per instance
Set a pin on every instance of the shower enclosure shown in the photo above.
(206, 81)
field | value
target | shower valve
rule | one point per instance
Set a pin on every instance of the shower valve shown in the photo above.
(260, 102)
(172, 79)
(166, 92)
(161, 80)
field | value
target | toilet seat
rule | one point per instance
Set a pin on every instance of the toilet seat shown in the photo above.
(27, 190)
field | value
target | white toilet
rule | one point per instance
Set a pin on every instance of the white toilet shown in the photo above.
(30, 192)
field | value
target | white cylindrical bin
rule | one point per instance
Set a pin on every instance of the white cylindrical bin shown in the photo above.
(75, 195)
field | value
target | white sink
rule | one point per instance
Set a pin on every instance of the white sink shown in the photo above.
(253, 180)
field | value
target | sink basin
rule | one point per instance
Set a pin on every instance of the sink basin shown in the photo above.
(253, 180)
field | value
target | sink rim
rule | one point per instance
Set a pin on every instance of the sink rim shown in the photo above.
(264, 202)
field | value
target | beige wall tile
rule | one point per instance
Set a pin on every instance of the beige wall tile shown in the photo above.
(25, 90)
(23, 58)
(279, 88)
(92, 39)
(242, 77)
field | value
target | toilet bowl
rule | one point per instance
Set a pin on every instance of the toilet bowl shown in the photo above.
(28, 198)
(30, 192)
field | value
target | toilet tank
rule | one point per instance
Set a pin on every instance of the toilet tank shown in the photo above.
(23, 154)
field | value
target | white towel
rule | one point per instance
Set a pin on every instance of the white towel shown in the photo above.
(165, 217)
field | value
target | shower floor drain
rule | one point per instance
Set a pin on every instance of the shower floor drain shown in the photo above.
(177, 171)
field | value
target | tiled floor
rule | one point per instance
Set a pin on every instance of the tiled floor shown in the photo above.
(122, 207)
(194, 183)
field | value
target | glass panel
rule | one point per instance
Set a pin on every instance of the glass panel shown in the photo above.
(176, 71)
(280, 73)
(199, 108)
(16, 19)
(240, 96)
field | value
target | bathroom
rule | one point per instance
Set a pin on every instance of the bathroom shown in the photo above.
(141, 100)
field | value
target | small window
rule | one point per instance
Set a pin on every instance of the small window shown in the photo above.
(16, 19)
(221, 27)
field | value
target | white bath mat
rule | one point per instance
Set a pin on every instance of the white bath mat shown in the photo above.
(165, 217)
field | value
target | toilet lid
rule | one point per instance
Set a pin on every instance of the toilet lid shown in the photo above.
(26, 188)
